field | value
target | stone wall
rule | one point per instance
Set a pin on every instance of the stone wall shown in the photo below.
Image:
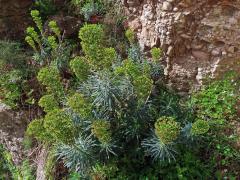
(200, 39)
(14, 18)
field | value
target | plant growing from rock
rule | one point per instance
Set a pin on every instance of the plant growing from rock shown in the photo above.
(110, 114)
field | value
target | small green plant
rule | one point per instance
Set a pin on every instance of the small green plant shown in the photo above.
(156, 54)
(100, 171)
(91, 8)
(10, 88)
(4, 170)
(10, 170)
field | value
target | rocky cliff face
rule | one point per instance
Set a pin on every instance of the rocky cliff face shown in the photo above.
(13, 18)
(200, 39)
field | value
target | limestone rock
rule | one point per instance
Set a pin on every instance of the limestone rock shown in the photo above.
(167, 6)
(199, 38)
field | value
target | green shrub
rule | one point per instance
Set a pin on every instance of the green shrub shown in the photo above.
(215, 105)
(117, 119)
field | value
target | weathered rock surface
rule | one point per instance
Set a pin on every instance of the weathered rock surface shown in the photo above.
(14, 18)
(199, 38)
(12, 128)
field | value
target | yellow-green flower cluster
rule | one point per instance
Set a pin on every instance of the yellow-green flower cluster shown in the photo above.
(79, 105)
(31, 42)
(92, 41)
(50, 77)
(54, 27)
(33, 34)
(80, 67)
(48, 102)
(199, 127)
(52, 42)
(59, 124)
(37, 130)
(140, 77)
(156, 54)
(167, 129)
(130, 36)
(101, 130)
(37, 19)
